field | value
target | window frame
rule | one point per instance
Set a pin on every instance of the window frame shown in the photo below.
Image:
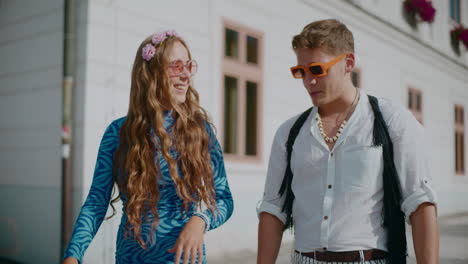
(358, 71)
(244, 72)
(459, 129)
(455, 15)
(413, 103)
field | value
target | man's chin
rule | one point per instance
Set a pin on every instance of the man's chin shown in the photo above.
(316, 102)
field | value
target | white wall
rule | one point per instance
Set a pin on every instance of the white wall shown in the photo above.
(31, 48)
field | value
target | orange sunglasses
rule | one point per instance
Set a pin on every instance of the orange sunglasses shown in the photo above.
(317, 69)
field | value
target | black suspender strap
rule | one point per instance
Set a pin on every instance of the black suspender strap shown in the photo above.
(287, 180)
(393, 217)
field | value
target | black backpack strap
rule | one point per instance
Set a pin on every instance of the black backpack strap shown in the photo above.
(393, 217)
(288, 175)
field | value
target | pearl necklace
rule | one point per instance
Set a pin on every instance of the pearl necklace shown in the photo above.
(327, 138)
(343, 124)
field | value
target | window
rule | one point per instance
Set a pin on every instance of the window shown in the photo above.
(230, 114)
(415, 103)
(252, 50)
(459, 140)
(242, 87)
(231, 43)
(455, 10)
(356, 78)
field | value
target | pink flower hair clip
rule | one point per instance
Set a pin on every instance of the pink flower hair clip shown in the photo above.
(149, 50)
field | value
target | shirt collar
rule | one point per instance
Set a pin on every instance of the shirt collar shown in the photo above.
(355, 116)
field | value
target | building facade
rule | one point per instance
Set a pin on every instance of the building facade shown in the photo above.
(244, 52)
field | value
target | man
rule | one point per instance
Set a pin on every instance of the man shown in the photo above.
(355, 171)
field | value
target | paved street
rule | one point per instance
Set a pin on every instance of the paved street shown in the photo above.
(453, 245)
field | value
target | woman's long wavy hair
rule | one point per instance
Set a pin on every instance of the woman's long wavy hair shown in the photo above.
(135, 171)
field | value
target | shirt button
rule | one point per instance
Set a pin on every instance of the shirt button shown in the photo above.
(325, 217)
(329, 186)
(331, 154)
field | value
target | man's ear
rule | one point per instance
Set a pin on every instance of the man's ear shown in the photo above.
(350, 63)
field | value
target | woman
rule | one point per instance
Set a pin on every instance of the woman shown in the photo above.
(166, 162)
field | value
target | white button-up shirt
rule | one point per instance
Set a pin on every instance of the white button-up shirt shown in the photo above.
(339, 193)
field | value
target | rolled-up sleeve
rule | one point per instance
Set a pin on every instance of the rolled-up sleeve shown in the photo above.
(411, 161)
(272, 202)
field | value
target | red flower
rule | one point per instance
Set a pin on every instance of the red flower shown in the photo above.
(457, 30)
(423, 8)
(460, 34)
(463, 36)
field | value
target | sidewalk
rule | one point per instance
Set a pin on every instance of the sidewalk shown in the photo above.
(453, 245)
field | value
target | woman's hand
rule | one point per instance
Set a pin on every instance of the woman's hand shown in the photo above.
(70, 260)
(190, 241)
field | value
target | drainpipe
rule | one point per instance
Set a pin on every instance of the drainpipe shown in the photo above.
(67, 95)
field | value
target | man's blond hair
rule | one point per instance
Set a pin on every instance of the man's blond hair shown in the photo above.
(330, 34)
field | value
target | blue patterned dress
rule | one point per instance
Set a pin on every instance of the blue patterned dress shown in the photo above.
(172, 218)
